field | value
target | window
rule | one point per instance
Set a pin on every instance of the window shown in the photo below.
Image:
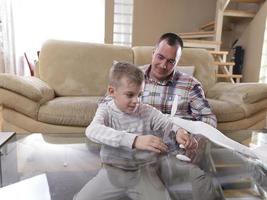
(122, 29)
(35, 21)
(38, 20)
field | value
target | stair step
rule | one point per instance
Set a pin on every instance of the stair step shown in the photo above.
(228, 75)
(199, 34)
(201, 44)
(237, 194)
(224, 63)
(219, 52)
(248, 1)
(223, 165)
(239, 13)
(209, 26)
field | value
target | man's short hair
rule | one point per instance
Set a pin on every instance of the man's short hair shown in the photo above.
(172, 39)
(123, 69)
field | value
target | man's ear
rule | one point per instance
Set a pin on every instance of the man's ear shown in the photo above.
(111, 90)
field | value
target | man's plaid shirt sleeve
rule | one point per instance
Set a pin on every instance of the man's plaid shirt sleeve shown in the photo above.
(200, 107)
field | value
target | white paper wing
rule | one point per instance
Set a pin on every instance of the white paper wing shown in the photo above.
(198, 127)
(174, 106)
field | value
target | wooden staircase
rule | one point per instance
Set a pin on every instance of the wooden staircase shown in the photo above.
(232, 9)
(210, 35)
(224, 69)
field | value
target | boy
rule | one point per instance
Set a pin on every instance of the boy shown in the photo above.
(128, 151)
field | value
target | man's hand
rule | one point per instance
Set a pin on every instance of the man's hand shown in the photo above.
(150, 143)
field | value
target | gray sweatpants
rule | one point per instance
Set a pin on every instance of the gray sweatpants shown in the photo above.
(114, 183)
(186, 181)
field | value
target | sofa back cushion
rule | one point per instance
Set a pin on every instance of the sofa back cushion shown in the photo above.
(201, 59)
(79, 69)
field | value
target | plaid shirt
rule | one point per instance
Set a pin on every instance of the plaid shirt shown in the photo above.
(191, 102)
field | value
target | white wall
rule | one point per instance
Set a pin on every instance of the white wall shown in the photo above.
(154, 17)
(252, 41)
(151, 18)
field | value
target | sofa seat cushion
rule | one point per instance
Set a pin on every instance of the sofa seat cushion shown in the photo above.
(246, 92)
(70, 111)
(234, 109)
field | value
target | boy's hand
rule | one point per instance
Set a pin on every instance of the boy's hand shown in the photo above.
(150, 143)
(182, 137)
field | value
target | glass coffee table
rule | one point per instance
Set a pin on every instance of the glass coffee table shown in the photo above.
(71, 160)
(68, 160)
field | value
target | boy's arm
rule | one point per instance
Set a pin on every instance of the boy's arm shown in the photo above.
(163, 122)
(99, 132)
(160, 121)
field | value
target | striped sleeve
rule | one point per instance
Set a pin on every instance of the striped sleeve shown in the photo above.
(99, 131)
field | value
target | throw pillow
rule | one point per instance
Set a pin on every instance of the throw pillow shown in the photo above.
(186, 69)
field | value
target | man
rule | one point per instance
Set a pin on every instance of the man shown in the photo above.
(162, 84)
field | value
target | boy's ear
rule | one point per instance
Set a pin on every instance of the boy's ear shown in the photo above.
(111, 90)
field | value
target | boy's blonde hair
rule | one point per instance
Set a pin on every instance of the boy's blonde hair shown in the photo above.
(123, 69)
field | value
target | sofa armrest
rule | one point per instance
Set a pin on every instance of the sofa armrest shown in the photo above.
(29, 87)
(247, 92)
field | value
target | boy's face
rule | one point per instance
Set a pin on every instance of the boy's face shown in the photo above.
(126, 95)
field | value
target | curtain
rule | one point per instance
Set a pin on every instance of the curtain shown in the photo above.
(263, 70)
(8, 42)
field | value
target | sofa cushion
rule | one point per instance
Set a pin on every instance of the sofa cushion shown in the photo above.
(70, 111)
(19, 103)
(186, 69)
(79, 69)
(29, 87)
(248, 92)
(226, 111)
(204, 67)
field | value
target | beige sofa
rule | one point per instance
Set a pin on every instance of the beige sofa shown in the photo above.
(72, 76)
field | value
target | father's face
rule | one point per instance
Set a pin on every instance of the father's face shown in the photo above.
(164, 59)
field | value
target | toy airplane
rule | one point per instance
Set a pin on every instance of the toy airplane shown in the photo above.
(214, 135)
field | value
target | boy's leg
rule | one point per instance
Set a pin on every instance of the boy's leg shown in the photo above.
(149, 186)
(183, 179)
(100, 188)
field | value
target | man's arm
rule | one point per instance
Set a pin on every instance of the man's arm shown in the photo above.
(200, 107)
